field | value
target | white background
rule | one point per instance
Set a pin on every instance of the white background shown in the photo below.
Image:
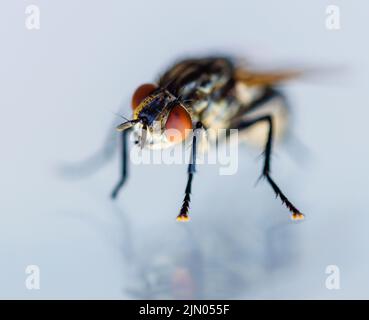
(59, 89)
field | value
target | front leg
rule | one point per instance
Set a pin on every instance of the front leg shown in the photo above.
(183, 214)
(296, 214)
(123, 165)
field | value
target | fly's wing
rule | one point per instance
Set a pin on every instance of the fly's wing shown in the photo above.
(255, 78)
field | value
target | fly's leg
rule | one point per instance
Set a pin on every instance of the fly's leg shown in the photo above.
(296, 214)
(124, 164)
(183, 214)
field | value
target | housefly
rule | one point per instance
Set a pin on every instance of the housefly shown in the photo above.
(207, 93)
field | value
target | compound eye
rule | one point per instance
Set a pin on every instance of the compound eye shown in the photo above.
(141, 93)
(179, 124)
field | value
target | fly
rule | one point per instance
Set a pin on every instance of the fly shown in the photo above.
(204, 93)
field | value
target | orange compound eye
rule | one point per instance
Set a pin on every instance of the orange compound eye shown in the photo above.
(141, 93)
(179, 124)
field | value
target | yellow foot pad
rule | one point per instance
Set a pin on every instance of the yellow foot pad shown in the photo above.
(297, 216)
(183, 218)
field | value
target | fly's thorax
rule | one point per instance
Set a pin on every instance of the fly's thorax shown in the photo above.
(246, 94)
(218, 113)
(203, 86)
(197, 75)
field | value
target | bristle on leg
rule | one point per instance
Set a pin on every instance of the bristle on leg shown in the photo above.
(183, 214)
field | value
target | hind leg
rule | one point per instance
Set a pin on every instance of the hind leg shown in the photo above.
(296, 214)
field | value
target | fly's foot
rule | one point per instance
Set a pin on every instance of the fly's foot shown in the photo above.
(297, 216)
(183, 217)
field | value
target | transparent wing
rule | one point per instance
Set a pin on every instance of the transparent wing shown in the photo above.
(255, 78)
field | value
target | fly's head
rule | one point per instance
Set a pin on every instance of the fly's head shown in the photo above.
(159, 118)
